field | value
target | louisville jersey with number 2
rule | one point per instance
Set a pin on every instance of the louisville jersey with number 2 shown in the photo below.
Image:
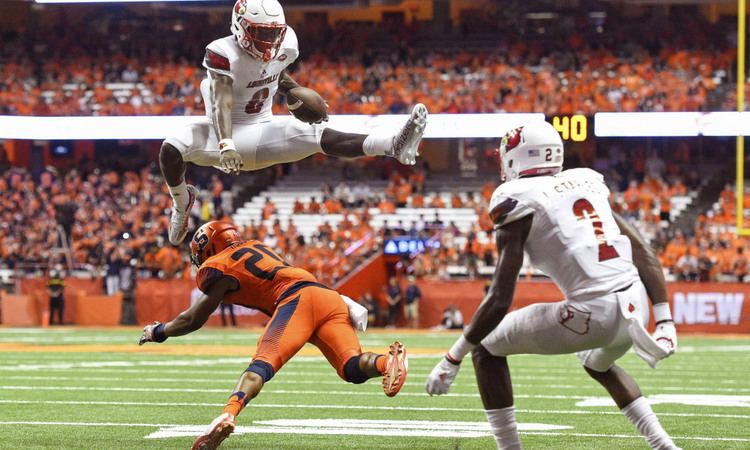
(254, 82)
(259, 273)
(574, 238)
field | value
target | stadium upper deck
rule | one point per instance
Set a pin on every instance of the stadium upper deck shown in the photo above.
(132, 63)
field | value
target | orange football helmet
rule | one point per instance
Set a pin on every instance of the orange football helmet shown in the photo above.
(211, 239)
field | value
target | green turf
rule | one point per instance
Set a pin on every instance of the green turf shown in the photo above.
(149, 390)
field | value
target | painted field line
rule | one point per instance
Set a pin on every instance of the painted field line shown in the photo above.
(282, 430)
(355, 407)
(329, 372)
(269, 392)
(634, 436)
(335, 381)
(585, 398)
(91, 424)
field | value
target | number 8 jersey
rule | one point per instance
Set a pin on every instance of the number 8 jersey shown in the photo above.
(254, 82)
(574, 238)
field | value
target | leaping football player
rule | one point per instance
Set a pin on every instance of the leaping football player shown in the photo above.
(244, 72)
(302, 310)
(563, 221)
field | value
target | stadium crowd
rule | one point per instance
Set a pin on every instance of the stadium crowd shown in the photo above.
(134, 205)
(148, 70)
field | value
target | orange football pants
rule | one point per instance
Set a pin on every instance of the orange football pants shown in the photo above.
(315, 315)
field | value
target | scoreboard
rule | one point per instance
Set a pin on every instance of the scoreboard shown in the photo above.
(571, 128)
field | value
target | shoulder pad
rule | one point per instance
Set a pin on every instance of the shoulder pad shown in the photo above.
(217, 59)
(509, 204)
(584, 173)
(207, 276)
(290, 46)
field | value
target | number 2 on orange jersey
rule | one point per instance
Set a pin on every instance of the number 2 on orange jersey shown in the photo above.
(257, 252)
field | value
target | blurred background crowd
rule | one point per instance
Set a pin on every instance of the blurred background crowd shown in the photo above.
(495, 59)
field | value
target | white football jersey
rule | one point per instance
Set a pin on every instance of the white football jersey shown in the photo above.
(254, 82)
(574, 238)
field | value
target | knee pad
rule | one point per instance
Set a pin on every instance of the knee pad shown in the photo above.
(352, 372)
(262, 368)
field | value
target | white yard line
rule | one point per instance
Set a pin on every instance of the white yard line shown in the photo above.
(353, 407)
(687, 378)
(285, 430)
(335, 381)
(268, 392)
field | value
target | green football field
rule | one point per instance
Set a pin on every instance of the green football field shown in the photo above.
(96, 389)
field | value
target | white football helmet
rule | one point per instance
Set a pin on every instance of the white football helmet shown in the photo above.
(533, 149)
(259, 27)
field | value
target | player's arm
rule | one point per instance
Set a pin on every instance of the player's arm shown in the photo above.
(509, 240)
(221, 99)
(286, 83)
(221, 117)
(288, 86)
(191, 319)
(220, 92)
(652, 276)
(645, 260)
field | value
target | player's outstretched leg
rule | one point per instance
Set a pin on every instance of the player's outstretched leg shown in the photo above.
(627, 395)
(393, 367)
(403, 145)
(247, 388)
(496, 390)
(183, 195)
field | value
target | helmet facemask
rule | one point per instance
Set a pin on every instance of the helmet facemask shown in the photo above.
(261, 40)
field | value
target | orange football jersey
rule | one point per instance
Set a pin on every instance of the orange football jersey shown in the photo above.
(262, 275)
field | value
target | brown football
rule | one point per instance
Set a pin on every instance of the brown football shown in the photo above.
(306, 105)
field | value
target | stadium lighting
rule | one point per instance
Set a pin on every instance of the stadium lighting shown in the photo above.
(113, 1)
(441, 126)
(159, 127)
(671, 124)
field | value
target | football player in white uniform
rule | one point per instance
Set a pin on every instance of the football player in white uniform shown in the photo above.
(245, 71)
(562, 219)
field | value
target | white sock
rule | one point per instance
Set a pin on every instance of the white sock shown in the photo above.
(642, 416)
(376, 145)
(504, 427)
(179, 195)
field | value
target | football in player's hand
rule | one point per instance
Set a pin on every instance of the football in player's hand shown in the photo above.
(306, 105)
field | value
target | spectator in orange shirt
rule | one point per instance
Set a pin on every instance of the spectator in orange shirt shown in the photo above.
(313, 207)
(665, 205)
(417, 200)
(386, 206)
(456, 201)
(437, 201)
(403, 191)
(299, 207)
(168, 260)
(269, 208)
(740, 265)
(332, 206)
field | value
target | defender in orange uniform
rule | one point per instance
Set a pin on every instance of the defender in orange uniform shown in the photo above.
(302, 310)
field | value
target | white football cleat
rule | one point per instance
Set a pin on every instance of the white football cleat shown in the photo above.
(178, 223)
(405, 145)
(219, 430)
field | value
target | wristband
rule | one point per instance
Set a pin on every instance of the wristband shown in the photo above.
(158, 333)
(662, 313)
(449, 358)
(226, 144)
(459, 350)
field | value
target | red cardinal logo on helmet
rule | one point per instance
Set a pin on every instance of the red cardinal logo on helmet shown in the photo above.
(512, 138)
(240, 7)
